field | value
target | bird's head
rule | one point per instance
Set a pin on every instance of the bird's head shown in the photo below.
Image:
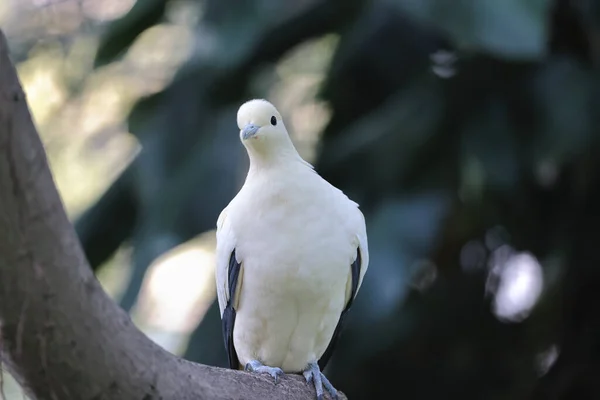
(261, 127)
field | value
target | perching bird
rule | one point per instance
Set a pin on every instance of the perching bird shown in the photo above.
(291, 256)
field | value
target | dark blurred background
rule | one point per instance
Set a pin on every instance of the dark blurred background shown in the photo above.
(466, 129)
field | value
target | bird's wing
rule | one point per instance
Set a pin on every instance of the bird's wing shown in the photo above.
(229, 281)
(363, 247)
(356, 273)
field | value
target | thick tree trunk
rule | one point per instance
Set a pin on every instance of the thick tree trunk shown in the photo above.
(61, 335)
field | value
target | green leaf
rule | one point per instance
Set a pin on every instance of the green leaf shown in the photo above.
(122, 32)
(512, 29)
(564, 92)
(489, 150)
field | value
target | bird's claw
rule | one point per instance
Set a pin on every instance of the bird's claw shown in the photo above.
(313, 374)
(257, 366)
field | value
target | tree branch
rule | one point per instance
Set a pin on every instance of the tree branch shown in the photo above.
(61, 335)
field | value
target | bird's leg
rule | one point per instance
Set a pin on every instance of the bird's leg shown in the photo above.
(257, 366)
(314, 374)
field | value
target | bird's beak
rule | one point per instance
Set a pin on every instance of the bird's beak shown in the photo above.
(249, 131)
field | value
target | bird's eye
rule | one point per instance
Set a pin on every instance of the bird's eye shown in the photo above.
(273, 120)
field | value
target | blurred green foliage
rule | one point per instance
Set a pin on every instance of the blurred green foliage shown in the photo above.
(463, 128)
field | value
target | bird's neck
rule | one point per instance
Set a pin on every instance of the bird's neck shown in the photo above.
(284, 155)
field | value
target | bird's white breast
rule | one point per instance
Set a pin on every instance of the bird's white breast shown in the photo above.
(295, 239)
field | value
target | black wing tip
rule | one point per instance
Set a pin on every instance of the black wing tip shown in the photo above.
(228, 322)
(355, 274)
(324, 360)
(229, 314)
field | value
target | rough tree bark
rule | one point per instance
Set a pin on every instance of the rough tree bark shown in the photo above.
(61, 336)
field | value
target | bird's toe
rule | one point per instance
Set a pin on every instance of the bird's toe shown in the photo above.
(319, 380)
(308, 376)
(274, 372)
(257, 366)
(329, 387)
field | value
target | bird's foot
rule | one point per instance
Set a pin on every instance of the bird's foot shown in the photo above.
(257, 366)
(313, 374)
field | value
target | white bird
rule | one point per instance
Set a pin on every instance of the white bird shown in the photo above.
(291, 256)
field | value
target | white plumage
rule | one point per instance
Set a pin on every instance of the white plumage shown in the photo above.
(295, 237)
